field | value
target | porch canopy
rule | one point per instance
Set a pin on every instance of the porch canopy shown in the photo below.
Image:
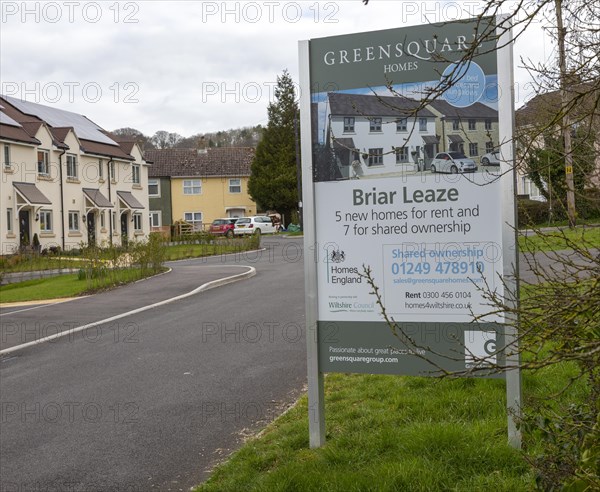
(97, 200)
(431, 139)
(129, 201)
(455, 139)
(30, 195)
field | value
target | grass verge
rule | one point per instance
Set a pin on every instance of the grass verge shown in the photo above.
(219, 246)
(66, 286)
(393, 433)
(556, 240)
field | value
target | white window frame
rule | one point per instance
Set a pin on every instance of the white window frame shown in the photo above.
(375, 125)
(102, 220)
(349, 122)
(43, 166)
(9, 220)
(190, 186)
(74, 221)
(473, 149)
(375, 157)
(456, 124)
(422, 124)
(488, 124)
(191, 218)
(6, 156)
(402, 125)
(71, 166)
(112, 171)
(158, 215)
(489, 147)
(472, 125)
(137, 222)
(100, 169)
(45, 220)
(401, 155)
(235, 188)
(154, 182)
(114, 221)
(135, 174)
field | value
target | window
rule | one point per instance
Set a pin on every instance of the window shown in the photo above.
(401, 155)
(401, 125)
(46, 221)
(100, 169)
(6, 156)
(112, 171)
(489, 147)
(194, 218)
(9, 220)
(473, 149)
(114, 221)
(153, 187)
(488, 124)
(137, 222)
(71, 166)
(456, 124)
(102, 222)
(375, 125)
(422, 124)
(235, 185)
(73, 221)
(43, 162)
(155, 218)
(375, 157)
(192, 187)
(135, 174)
(472, 124)
(348, 124)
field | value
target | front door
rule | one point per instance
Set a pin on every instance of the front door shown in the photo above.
(124, 229)
(91, 227)
(24, 228)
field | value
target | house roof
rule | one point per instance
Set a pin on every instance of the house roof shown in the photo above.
(546, 108)
(374, 106)
(476, 110)
(17, 134)
(215, 161)
(31, 116)
(104, 150)
(84, 127)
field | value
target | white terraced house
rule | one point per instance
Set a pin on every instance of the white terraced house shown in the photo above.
(379, 135)
(67, 181)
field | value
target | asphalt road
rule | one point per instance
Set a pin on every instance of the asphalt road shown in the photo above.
(155, 399)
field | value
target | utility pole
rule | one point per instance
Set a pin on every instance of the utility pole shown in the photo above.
(566, 120)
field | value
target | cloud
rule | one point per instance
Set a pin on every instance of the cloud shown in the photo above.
(182, 66)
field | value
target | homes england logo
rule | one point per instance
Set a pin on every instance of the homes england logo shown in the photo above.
(337, 256)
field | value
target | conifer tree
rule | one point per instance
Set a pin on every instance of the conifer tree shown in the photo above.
(273, 180)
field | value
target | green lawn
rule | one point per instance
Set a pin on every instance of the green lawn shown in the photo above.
(390, 433)
(65, 286)
(552, 240)
(220, 246)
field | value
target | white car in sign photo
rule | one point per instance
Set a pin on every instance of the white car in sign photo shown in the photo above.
(259, 224)
(452, 162)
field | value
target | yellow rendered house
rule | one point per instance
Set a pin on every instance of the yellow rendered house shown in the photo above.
(203, 185)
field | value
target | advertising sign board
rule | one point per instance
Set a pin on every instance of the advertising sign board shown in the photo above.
(397, 128)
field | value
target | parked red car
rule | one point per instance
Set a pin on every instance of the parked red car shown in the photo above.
(222, 227)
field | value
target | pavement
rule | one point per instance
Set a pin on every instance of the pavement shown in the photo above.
(83, 312)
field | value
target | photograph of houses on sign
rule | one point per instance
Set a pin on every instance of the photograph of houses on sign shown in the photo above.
(403, 119)
(365, 134)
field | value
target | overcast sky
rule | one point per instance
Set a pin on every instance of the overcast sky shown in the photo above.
(189, 66)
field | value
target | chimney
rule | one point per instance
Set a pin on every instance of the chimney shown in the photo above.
(202, 145)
